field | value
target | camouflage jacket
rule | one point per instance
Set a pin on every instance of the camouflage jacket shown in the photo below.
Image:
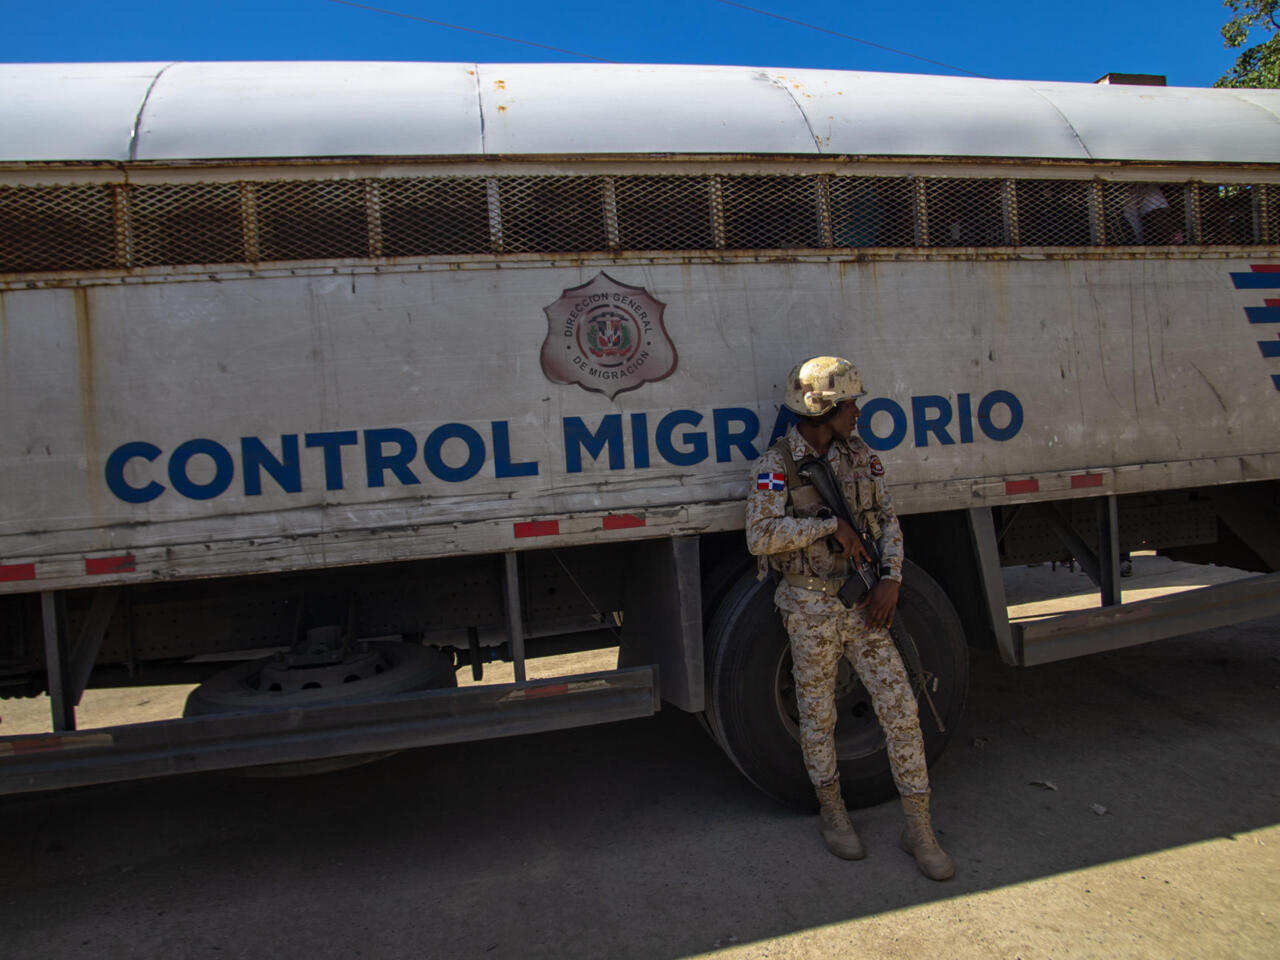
(791, 538)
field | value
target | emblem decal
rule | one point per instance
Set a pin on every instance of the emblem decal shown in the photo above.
(607, 337)
(877, 468)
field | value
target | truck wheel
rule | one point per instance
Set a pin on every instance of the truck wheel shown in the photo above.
(383, 669)
(751, 705)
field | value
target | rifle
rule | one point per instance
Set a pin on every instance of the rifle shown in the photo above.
(866, 575)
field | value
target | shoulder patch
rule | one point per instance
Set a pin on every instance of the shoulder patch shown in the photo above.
(771, 481)
(877, 468)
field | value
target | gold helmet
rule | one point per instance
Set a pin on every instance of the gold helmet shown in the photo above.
(819, 383)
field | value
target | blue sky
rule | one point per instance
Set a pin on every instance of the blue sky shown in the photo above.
(1044, 41)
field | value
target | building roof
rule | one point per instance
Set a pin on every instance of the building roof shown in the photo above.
(254, 110)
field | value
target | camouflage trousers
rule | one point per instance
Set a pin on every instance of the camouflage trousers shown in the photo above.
(817, 644)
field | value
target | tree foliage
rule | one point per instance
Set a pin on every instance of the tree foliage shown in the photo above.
(1258, 65)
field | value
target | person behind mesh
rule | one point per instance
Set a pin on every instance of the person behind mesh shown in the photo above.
(1149, 215)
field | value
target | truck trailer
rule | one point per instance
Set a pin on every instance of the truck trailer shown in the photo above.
(322, 382)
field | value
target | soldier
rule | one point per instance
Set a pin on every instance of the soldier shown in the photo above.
(789, 529)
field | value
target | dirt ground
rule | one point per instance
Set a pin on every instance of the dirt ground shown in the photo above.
(1122, 805)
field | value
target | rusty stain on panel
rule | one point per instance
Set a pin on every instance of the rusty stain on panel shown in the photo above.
(88, 402)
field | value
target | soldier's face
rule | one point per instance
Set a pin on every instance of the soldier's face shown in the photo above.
(846, 418)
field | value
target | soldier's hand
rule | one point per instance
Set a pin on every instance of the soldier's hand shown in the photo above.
(880, 603)
(850, 543)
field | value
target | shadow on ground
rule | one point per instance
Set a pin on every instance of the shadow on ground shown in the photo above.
(640, 839)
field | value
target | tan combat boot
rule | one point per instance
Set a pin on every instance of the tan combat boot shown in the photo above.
(837, 830)
(919, 841)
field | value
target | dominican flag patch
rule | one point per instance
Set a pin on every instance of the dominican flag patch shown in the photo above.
(771, 481)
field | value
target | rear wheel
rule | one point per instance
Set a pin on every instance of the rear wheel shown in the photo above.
(751, 706)
(377, 669)
(368, 672)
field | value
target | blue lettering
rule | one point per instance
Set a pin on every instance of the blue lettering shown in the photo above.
(743, 439)
(377, 463)
(502, 465)
(332, 444)
(925, 424)
(640, 439)
(116, 482)
(224, 469)
(697, 442)
(735, 432)
(965, 418)
(989, 402)
(255, 457)
(896, 414)
(431, 452)
(578, 438)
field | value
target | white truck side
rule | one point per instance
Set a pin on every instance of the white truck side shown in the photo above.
(394, 408)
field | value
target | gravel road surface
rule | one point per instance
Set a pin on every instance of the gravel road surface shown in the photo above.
(1122, 805)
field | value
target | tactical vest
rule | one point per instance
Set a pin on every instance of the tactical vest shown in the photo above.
(802, 496)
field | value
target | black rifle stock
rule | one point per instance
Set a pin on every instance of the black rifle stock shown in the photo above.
(819, 473)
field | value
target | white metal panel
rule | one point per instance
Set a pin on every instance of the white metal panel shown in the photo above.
(70, 111)
(245, 110)
(264, 110)
(1106, 382)
(630, 108)
(1170, 123)
(228, 110)
(242, 110)
(48, 440)
(1268, 100)
(853, 112)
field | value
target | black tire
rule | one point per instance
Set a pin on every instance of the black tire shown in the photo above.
(721, 579)
(751, 702)
(409, 667)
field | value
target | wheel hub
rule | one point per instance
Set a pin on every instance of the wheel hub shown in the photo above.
(858, 731)
(279, 676)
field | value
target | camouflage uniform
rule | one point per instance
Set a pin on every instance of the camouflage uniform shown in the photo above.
(791, 539)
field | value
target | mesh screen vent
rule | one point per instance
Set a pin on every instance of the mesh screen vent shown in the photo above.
(185, 223)
(552, 214)
(311, 219)
(665, 213)
(57, 228)
(764, 213)
(120, 226)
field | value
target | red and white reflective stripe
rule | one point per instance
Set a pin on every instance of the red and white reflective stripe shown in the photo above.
(551, 528)
(622, 521)
(23, 746)
(17, 571)
(1077, 481)
(553, 690)
(1022, 486)
(97, 566)
(93, 567)
(534, 693)
(1086, 480)
(537, 528)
